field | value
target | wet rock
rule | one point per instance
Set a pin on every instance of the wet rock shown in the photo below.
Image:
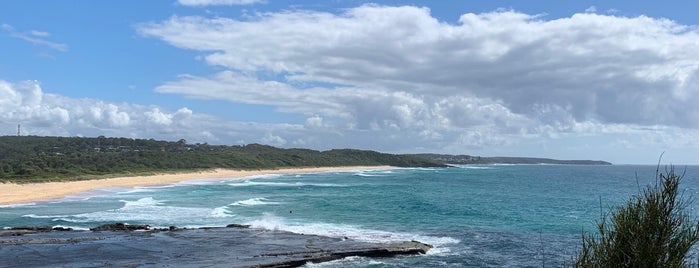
(33, 228)
(234, 225)
(120, 227)
(15, 232)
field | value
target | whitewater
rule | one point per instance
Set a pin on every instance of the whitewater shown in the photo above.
(482, 216)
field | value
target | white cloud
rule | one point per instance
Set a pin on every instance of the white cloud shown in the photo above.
(24, 101)
(39, 33)
(41, 113)
(273, 140)
(401, 123)
(49, 114)
(35, 37)
(218, 2)
(314, 121)
(182, 113)
(163, 118)
(157, 117)
(587, 67)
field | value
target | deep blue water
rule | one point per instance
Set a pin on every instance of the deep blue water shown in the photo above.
(476, 216)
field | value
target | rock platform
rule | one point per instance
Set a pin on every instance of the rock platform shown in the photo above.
(122, 245)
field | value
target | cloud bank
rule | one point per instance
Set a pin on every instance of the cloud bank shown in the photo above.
(586, 68)
(46, 114)
(49, 114)
(501, 73)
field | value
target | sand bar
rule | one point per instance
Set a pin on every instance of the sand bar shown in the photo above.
(11, 193)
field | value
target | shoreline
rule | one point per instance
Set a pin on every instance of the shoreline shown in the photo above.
(12, 193)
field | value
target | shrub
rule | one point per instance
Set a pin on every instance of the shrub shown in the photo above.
(652, 230)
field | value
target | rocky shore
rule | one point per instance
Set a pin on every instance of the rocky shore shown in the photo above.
(123, 245)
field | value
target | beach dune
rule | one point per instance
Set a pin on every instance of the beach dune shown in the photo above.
(12, 193)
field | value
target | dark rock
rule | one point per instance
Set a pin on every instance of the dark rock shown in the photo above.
(295, 259)
(235, 225)
(120, 227)
(15, 232)
(33, 228)
(23, 230)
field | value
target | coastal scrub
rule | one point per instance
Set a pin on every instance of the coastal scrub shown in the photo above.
(653, 229)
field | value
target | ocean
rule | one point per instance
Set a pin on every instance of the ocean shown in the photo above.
(475, 216)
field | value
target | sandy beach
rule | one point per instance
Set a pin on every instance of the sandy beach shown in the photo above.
(11, 193)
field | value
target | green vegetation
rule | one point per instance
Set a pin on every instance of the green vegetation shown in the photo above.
(652, 230)
(33, 159)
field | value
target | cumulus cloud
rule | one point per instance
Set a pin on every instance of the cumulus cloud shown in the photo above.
(43, 113)
(314, 121)
(584, 68)
(218, 2)
(409, 124)
(24, 102)
(157, 117)
(355, 107)
(397, 78)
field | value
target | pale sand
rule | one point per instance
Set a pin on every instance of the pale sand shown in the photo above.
(11, 193)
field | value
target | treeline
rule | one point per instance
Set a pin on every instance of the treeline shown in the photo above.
(32, 158)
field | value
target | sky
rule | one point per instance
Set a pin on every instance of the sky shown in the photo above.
(602, 80)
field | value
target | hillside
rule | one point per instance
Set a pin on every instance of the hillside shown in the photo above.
(32, 158)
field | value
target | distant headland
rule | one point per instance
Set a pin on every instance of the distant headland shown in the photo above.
(477, 160)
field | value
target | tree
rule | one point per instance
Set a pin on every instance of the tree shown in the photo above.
(652, 230)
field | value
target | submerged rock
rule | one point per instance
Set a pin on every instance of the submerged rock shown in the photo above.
(210, 247)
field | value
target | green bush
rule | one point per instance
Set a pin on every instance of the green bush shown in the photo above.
(652, 230)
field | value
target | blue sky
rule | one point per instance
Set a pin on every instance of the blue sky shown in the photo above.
(608, 80)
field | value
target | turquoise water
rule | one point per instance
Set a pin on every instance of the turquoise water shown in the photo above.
(475, 216)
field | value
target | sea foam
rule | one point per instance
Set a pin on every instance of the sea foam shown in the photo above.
(348, 261)
(18, 205)
(270, 221)
(146, 210)
(248, 183)
(254, 202)
(362, 174)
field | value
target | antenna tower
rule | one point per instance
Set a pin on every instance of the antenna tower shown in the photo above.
(19, 127)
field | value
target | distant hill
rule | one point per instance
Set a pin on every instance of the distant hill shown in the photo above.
(477, 160)
(33, 158)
